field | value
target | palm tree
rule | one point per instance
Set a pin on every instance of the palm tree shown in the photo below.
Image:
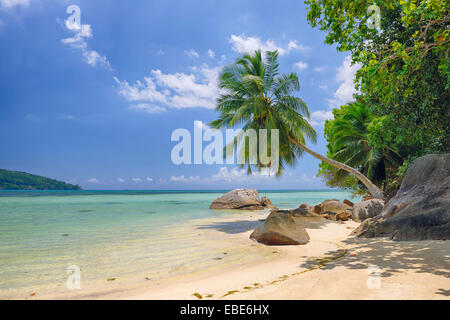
(257, 97)
(348, 142)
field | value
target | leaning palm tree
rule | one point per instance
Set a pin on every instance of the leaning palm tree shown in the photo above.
(256, 97)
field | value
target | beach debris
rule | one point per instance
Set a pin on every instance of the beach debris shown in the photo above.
(225, 252)
(210, 295)
(148, 279)
(110, 279)
(281, 229)
(65, 235)
(217, 258)
(230, 293)
(197, 295)
(32, 294)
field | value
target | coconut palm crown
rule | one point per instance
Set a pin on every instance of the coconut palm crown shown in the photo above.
(256, 96)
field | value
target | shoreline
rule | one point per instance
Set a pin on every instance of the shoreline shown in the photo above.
(333, 265)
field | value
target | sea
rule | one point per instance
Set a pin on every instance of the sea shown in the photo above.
(102, 237)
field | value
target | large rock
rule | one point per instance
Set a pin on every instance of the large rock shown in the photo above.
(367, 209)
(244, 199)
(300, 212)
(335, 206)
(281, 229)
(336, 210)
(421, 208)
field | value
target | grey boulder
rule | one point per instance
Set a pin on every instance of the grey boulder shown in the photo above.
(367, 209)
(243, 199)
(421, 208)
(281, 228)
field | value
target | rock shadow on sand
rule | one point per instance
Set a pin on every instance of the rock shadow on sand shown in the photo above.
(391, 257)
(232, 227)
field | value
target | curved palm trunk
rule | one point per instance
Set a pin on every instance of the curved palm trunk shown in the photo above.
(373, 189)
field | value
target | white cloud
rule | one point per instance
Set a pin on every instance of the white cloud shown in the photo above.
(318, 117)
(320, 69)
(177, 90)
(345, 76)
(12, 3)
(145, 107)
(149, 179)
(93, 180)
(201, 124)
(120, 180)
(211, 53)
(78, 41)
(182, 178)
(136, 179)
(301, 65)
(244, 44)
(191, 53)
(240, 175)
(293, 45)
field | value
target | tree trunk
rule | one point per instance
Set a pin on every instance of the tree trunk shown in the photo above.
(373, 189)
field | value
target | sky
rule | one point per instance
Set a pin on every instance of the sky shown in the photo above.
(95, 104)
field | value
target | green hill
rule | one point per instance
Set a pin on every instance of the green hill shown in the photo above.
(15, 180)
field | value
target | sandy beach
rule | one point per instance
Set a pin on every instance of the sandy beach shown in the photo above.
(333, 265)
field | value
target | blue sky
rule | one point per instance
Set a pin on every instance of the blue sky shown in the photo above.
(96, 106)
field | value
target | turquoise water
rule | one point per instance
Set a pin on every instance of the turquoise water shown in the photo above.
(115, 234)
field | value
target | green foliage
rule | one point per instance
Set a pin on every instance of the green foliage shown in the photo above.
(348, 142)
(404, 77)
(14, 180)
(257, 97)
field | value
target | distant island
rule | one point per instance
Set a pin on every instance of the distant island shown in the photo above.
(15, 180)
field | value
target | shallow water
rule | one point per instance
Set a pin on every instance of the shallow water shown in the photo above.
(118, 235)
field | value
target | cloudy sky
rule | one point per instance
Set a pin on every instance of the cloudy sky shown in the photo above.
(96, 105)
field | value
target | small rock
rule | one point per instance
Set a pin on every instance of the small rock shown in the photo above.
(348, 202)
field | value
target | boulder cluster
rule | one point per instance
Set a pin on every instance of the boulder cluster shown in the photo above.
(419, 211)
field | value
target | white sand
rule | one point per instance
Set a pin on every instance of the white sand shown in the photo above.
(333, 265)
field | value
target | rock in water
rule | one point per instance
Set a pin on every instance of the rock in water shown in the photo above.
(367, 209)
(244, 199)
(265, 202)
(421, 208)
(281, 229)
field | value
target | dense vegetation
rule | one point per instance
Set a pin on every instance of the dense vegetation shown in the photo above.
(403, 82)
(14, 180)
